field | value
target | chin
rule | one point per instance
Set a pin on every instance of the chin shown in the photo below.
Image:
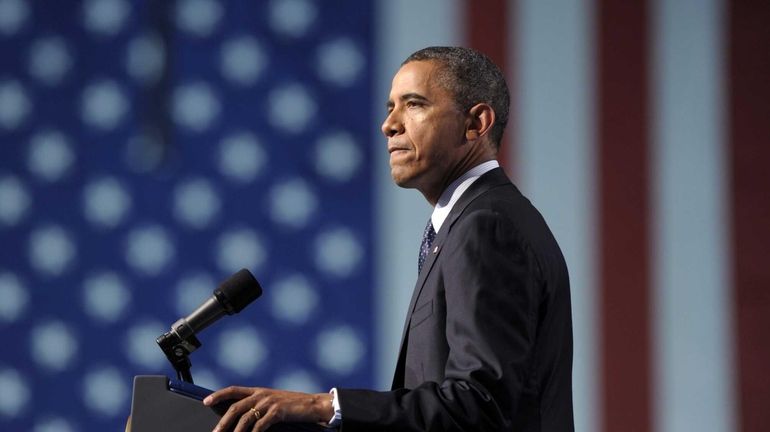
(400, 179)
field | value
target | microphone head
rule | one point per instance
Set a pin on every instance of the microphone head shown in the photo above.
(237, 291)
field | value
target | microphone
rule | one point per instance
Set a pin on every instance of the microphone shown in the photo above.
(230, 297)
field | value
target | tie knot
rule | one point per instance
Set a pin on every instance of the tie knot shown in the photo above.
(427, 240)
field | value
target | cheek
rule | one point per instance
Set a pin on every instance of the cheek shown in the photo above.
(420, 139)
(417, 128)
(428, 147)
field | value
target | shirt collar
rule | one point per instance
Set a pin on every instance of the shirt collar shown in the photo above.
(455, 190)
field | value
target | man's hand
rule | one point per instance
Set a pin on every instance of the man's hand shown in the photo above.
(258, 408)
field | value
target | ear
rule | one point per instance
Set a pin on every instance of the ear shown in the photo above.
(481, 118)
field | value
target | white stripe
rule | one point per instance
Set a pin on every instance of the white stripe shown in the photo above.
(403, 26)
(693, 382)
(554, 133)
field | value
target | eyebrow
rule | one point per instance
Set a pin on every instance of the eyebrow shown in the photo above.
(405, 97)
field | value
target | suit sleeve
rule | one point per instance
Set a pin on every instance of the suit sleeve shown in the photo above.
(490, 280)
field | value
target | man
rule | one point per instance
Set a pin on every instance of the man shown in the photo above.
(487, 343)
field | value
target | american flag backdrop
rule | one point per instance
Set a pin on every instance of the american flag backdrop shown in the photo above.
(151, 149)
(148, 149)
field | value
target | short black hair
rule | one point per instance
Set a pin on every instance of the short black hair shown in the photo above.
(471, 77)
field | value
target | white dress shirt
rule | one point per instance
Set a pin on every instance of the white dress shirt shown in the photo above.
(455, 190)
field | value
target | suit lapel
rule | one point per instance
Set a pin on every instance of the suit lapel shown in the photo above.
(493, 178)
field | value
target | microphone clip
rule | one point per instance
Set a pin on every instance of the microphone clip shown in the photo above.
(178, 350)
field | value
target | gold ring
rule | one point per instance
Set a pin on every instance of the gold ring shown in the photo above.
(256, 413)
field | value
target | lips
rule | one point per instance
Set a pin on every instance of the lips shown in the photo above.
(394, 148)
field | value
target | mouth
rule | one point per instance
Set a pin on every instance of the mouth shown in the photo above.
(396, 149)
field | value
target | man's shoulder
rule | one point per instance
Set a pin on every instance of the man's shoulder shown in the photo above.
(501, 197)
(515, 213)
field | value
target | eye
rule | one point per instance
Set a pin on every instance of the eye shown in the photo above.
(413, 104)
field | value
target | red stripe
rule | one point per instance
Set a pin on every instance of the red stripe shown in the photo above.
(624, 215)
(487, 24)
(749, 138)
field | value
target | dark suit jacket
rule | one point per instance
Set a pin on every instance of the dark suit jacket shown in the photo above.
(487, 343)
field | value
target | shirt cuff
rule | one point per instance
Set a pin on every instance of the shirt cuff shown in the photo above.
(336, 419)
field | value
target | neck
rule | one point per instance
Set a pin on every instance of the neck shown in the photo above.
(432, 195)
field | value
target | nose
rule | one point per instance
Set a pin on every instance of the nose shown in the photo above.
(392, 126)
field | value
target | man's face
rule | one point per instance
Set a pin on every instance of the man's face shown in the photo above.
(425, 130)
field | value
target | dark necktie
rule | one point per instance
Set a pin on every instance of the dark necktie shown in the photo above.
(427, 240)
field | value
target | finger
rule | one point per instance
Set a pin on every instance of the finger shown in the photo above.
(227, 393)
(235, 411)
(247, 419)
(265, 422)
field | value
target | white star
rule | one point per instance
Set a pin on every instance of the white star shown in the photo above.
(105, 17)
(15, 201)
(196, 203)
(241, 350)
(293, 299)
(292, 203)
(105, 296)
(106, 202)
(53, 424)
(53, 345)
(103, 105)
(144, 152)
(297, 380)
(149, 250)
(337, 252)
(242, 60)
(14, 105)
(15, 395)
(13, 15)
(105, 391)
(198, 17)
(337, 156)
(340, 62)
(339, 350)
(51, 250)
(292, 18)
(50, 156)
(145, 58)
(241, 157)
(140, 346)
(15, 297)
(49, 60)
(195, 106)
(240, 248)
(291, 108)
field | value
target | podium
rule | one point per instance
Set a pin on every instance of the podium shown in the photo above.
(158, 407)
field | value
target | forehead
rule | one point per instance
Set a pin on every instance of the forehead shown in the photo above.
(419, 77)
